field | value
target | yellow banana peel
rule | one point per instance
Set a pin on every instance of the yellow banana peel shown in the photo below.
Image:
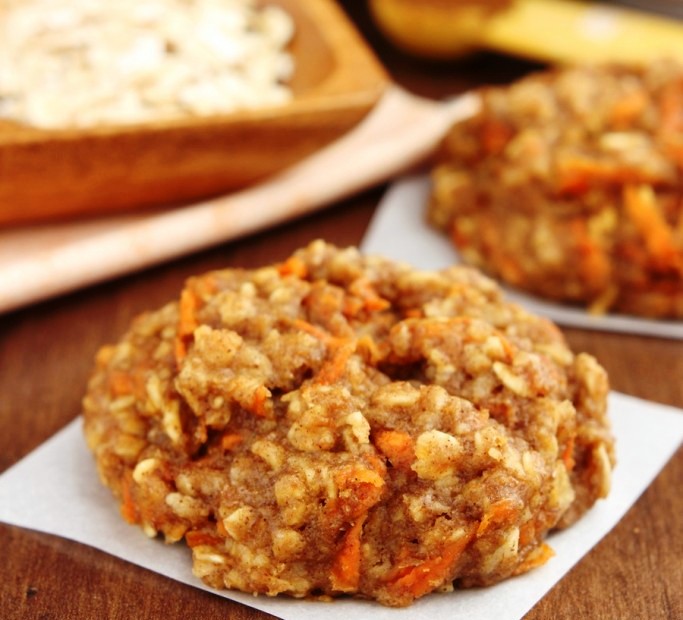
(558, 31)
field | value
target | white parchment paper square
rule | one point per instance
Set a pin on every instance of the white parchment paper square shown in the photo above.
(55, 489)
(400, 231)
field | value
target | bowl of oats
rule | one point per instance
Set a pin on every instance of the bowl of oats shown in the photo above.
(107, 107)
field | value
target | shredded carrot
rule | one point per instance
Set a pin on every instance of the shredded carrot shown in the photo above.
(187, 322)
(352, 306)
(293, 266)
(345, 573)
(333, 369)
(179, 349)
(196, 538)
(422, 578)
(537, 557)
(129, 510)
(259, 403)
(673, 147)
(604, 301)
(372, 300)
(364, 297)
(527, 533)
(376, 304)
(628, 109)
(120, 383)
(397, 446)
(342, 349)
(502, 512)
(504, 262)
(671, 108)
(568, 454)
(230, 441)
(495, 134)
(204, 285)
(576, 175)
(414, 313)
(359, 488)
(640, 204)
(220, 528)
(315, 331)
(594, 264)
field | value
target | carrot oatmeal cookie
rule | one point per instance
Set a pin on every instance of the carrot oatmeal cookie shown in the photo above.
(569, 184)
(344, 425)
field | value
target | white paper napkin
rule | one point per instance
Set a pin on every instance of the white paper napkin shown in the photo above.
(55, 489)
(400, 231)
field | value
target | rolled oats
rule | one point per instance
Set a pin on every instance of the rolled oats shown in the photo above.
(81, 63)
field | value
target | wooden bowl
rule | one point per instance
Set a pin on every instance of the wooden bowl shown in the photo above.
(51, 174)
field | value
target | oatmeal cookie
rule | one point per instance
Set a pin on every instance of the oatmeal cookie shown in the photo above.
(568, 184)
(338, 424)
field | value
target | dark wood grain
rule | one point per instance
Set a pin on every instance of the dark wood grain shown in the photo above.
(46, 353)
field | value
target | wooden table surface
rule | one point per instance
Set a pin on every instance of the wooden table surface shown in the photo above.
(46, 353)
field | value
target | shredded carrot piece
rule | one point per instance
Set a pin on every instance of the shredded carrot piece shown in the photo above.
(671, 108)
(376, 304)
(568, 454)
(293, 266)
(422, 578)
(315, 331)
(129, 510)
(189, 302)
(495, 135)
(259, 404)
(594, 266)
(537, 557)
(187, 322)
(500, 513)
(195, 538)
(397, 446)
(507, 265)
(673, 146)
(352, 306)
(332, 370)
(628, 109)
(345, 573)
(359, 488)
(205, 285)
(604, 301)
(640, 204)
(229, 441)
(370, 300)
(414, 313)
(527, 533)
(120, 383)
(342, 349)
(575, 175)
(179, 350)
